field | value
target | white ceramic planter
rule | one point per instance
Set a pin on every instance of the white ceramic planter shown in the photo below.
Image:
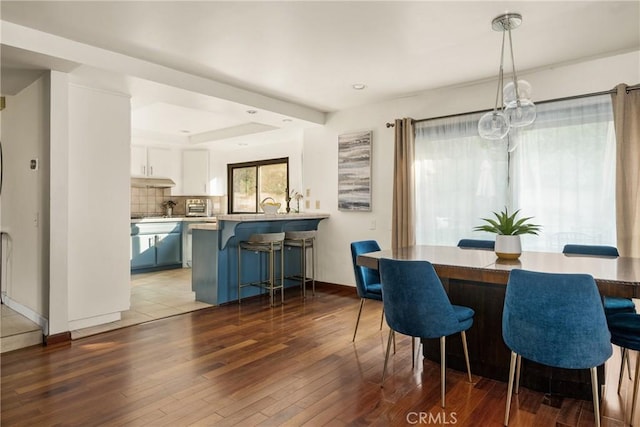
(508, 247)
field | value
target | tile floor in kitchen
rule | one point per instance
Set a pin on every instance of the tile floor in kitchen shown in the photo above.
(153, 296)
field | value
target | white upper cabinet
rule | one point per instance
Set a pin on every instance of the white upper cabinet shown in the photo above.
(195, 172)
(152, 161)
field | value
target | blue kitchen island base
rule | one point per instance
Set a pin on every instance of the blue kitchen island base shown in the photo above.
(215, 254)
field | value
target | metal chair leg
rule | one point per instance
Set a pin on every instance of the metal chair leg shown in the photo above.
(386, 357)
(413, 352)
(466, 353)
(358, 319)
(624, 356)
(512, 369)
(594, 391)
(443, 368)
(518, 366)
(635, 387)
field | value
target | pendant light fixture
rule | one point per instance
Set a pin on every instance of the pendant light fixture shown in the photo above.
(514, 98)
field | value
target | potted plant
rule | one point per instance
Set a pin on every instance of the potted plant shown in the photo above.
(508, 230)
(168, 207)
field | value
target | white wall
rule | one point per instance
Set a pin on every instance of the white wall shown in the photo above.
(320, 144)
(25, 193)
(99, 157)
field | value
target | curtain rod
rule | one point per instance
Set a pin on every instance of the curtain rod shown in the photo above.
(586, 95)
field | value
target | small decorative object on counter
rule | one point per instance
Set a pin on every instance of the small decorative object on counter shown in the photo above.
(168, 207)
(508, 230)
(297, 196)
(269, 206)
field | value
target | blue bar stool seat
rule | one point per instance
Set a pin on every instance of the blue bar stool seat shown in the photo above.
(270, 244)
(303, 240)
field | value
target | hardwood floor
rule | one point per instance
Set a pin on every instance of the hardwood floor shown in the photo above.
(252, 365)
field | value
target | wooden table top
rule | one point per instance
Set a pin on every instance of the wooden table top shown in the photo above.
(484, 266)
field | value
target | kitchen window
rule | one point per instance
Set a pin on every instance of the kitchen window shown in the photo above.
(560, 170)
(250, 183)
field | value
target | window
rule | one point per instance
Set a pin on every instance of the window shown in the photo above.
(251, 182)
(560, 170)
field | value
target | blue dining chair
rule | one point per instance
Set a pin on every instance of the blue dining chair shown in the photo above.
(625, 333)
(476, 244)
(555, 320)
(612, 305)
(416, 305)
(367, 279)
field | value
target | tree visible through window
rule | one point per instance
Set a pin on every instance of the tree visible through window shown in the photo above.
(251, 182)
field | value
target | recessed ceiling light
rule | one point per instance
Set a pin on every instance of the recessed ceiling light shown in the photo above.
(358, 86)
(242, 144)
(287, 120)
(185, 131)
(252, 111)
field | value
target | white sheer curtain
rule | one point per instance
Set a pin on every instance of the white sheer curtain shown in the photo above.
(563, 173)
(561, 170)
(459, 178)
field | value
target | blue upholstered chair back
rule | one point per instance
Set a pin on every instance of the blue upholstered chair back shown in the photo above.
(590, 250)
(415, 302)
(365, 276)
(555, 319)
(476, 244)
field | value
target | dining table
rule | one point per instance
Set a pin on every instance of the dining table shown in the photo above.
(477, 278)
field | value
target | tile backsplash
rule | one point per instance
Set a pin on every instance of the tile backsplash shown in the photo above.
(148, 202)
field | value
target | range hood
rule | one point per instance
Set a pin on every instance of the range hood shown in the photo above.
(152, 182)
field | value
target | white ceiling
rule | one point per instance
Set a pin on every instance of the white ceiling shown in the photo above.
(309, 54)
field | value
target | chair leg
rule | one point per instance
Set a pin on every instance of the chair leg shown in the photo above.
(518, 366)
(635, 387)
(382, 317)
(358, 319)
(281, 273)
(622, 363)
(413, 352)
(512, 369)
(443, 368)
(594, 391)
(466, 353)
(239, 270)
(386, 357)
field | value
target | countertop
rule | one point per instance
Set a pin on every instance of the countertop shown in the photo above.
(174, 219)
(271, 217)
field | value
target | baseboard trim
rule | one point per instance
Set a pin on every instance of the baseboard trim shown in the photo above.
(61, 338)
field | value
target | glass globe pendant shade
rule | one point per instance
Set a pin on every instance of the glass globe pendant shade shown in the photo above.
(509, 91)
(493, 125)
(520, 113)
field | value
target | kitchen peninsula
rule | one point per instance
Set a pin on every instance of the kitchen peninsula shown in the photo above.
(214, 277)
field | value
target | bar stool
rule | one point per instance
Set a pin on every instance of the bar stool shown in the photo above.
(303, 240)
(269, 243)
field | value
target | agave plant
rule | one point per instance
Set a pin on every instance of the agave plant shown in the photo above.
(508, 225)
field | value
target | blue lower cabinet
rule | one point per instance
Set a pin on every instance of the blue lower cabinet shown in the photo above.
(169, 249)
(156, 246)
(143, 251)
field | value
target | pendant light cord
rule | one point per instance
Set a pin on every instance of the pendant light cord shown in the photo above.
(500, 77)
(513, 65)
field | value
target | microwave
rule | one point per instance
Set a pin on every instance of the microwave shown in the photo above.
(197, 207)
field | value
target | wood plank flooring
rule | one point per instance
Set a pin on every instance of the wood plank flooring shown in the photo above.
(248, 365)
